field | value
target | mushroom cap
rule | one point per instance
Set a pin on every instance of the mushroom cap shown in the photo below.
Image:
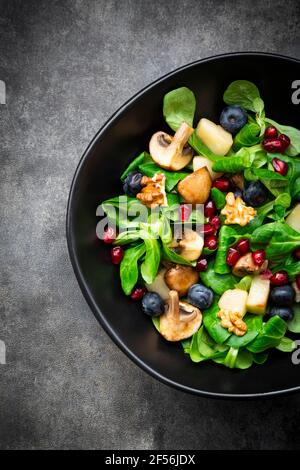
(180, 278)
(245, 265)
(191, 245)
(169, 152)
(180, 320)
(195, 188)
(159, 285)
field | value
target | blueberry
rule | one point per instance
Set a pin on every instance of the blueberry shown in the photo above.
(286, 313)
(233, 118)
(238, 193)
(153, 304)
(200, 296)
(132, 184)
(283, 296)
(255, 194)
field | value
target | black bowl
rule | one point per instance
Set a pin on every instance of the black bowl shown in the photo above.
(97, 177)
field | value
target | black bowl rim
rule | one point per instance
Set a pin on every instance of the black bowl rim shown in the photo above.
(75, 264)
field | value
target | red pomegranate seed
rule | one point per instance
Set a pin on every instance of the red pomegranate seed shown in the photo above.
(273, 145)
(280, 278)
(266, 274)
(185, 212)
(215, 221)
(298, 281)
(285, 141)
(296, 253)
(117, 254)
(201, 265)
(223, 184)
(271, 132)
(243, 246)
(109, 235)
(211, 242)
(280, 166)
(259, 257)
(232, 256)
(209, 209)
(138, 293)
(208, 229)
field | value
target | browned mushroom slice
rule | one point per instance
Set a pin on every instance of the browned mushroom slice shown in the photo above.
(246, 265)
(180, 320)
(181, 278)
(195, 188)
(172, 153)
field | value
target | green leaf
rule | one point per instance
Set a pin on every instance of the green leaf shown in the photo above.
(286, 345)
(294, 324)
(244, 360)
(135, 164)
(218, 197)
(207, 347)
(260, 358)
(194, 351)
(170, 255)
(227, 236)
(213, 325)
(230, 358)
(244, 283)
(277, 238)
(129, 267)
(179, 106)
(292, 133)
(243, 93)
(249, 135)
(150, 265)
(270, 335)
(172, 178)
(219, 283)
(234, 164)
(254, 325)
(156, 323)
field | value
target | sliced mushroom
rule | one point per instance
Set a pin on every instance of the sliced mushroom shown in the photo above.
(191, 246)
(180, 320)
(246, 265)
(181, 278)
(238, 180)
(195, 188)
(159, 285)
(169, 152)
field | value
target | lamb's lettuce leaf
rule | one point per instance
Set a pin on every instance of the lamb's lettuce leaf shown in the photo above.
(179, 106)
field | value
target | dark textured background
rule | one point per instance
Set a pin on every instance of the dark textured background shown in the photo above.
(68, 65)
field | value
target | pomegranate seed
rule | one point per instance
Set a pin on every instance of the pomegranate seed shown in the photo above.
(117, 254)
(267, 274)
(232, 256)
(272, 145)
(208, 229)
(211, 242)
(280, 166)
(201, 265)
(243, 246)
(259, 257)
(223, 184)
(109, 235)
(298, 281)
(285, 141)
(138, 293)
(271, 132)
(280, 278)
(185, 212)
(215, 221)
(297, 253)
(209, 209)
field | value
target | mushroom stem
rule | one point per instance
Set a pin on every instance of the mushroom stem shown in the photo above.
(173, 303)
(181, 137)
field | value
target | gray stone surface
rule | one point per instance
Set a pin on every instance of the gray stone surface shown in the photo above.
(67, 66)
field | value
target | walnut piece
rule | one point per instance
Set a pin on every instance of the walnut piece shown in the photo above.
(153, 193)
(236, 211)
(233, 322)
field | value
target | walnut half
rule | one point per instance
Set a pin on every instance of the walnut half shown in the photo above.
(233, 322)
(153, 191)
(236, 211)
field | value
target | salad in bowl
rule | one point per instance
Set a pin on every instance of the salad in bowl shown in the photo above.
(207, 232)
